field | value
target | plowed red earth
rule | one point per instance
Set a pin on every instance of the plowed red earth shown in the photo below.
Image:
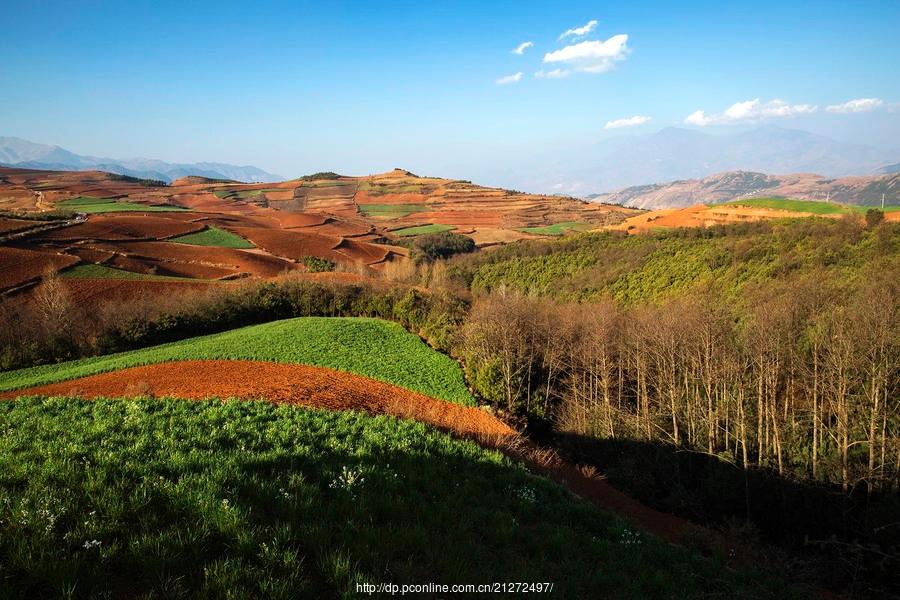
(325, 388)
(18, 266)
(113, 291)
(10, 225)
(231, 259)
(123, 227)
(293, 244)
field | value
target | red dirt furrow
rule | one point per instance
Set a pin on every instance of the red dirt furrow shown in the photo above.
(19, 266)
(123, 227)
(318, 387)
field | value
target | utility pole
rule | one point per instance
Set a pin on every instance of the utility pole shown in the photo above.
(882, 201)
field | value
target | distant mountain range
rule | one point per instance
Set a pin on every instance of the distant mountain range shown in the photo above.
(16, 152)
(735, 185)
(676, 153)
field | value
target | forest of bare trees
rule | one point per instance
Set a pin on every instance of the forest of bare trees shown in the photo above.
(799, 378)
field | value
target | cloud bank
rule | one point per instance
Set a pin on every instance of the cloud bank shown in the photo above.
(627, 122)
(748, 111)
(521, 48)
(506, 80)
(590, 56)
(855, 106)
(579, 31)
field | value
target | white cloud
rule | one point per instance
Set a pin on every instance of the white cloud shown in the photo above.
(514, 78)
(554, 74)
(856, 106)
(629, 122)
(591, 56)
(521, 48)
(580, 31)
(750, 110)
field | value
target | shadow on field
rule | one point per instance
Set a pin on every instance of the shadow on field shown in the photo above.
(852, 540)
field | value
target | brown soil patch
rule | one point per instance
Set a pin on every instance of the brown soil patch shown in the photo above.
(19, 266)
(11, 225)
(123, 227)
(294, 244)
(230, 259)
(98, 291)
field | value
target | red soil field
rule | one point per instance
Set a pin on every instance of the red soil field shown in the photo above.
(98, 291)
(150, 266)
(123, 227)
(291, 383)
(245, 261)
(294, 244)
(18, 266)
(88, 254)
(362, 251)
(11, 225)
(334, 390)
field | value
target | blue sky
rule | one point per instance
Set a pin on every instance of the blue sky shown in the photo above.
(357, 87)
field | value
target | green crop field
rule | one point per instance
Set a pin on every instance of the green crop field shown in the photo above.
(371, 347)
(558, 228)
(87, 204)
(93, 271)
(213, 236)
(422, 229)
(391, 211)
(177, 498)
(808, 206)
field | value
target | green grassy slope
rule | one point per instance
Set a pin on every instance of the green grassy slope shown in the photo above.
(91, 205)
(213, 236)
(391, 211)
(809, 206)
(558, 228)
(422, 229)
(149, 498)
(93, 271)
(371, 347)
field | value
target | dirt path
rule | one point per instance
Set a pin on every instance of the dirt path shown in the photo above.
(325, 388)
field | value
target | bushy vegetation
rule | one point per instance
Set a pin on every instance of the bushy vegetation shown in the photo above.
(50, 327)
(315, 264)
(430, 247)
(141, 181)
(90, 205)
(214, 236)
(370, 347)
(320, 176)
(422, 229)
(649, 268)
(49, 215)
(175, 498)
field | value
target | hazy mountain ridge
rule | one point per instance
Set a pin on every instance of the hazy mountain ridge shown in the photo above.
(675, 153)
(735, 185)
(16, 152)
